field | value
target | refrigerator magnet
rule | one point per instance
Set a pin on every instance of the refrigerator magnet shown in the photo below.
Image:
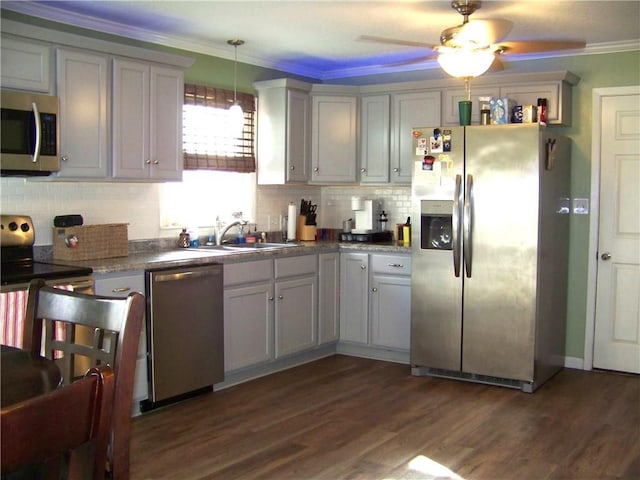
(446, 141)
(435, 144)
(427, 162)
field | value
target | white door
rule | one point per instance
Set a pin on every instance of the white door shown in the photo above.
(617, 323)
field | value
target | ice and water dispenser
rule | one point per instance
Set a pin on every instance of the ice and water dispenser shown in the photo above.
(436, 225)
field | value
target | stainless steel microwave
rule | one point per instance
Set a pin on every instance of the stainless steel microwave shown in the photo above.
(30, 138)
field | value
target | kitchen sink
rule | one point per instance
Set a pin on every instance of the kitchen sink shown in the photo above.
(247, 246)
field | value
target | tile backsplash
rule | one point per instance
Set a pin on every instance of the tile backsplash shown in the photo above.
(138, 204)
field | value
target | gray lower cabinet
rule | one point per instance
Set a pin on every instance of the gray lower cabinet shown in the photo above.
(248, 314)
(328, 297)
(375, 302)
(270, 310)
(121, 284)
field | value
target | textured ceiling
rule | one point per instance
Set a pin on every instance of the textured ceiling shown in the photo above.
(320, 39)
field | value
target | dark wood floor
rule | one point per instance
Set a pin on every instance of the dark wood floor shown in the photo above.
(352, 418)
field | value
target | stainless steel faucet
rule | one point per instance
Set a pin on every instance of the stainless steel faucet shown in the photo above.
(223, 232)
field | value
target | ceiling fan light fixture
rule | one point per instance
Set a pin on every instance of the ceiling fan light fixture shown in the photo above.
(464, 62)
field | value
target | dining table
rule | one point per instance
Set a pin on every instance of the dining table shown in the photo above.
(24, 375)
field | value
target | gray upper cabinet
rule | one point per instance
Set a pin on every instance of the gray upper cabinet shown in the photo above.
(26, 65)
(83, 86)
(374, 139)
(284, 132)
(334, 136)
(147, 121)
(410, 110)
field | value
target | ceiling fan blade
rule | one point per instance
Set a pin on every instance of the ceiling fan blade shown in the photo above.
(413, 60)
(496, 66)
(394, 41)
(538, 46)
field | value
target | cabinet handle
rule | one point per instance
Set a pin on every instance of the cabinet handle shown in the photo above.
(271, 299)
(121, 289)
(363, 170)
(374, 289)
(148, 162)
(316, 169)
(395, 265)
(280, 297)
(156, 162)
(292, 167)
(363, 267)
(65, 158)
(396, 170)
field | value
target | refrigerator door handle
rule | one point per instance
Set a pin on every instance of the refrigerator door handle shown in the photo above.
(456, 224)
(468, 225)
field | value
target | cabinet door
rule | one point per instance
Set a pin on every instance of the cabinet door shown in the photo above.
(328, 297)
(296, 315)
(410, 110)
(25, 65)
(354, 295)
(248, 325)
(298, 136)
(451, 97)
(165, 131)
(391, 311)
(121, 285)
(374, 139)
(130, 119)
(333, 139)
(82, 81)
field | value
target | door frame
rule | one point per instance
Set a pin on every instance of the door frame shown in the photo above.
(594, 217)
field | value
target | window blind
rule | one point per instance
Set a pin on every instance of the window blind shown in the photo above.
(208, 141)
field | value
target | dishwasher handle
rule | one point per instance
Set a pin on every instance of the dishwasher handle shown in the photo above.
(182, 275)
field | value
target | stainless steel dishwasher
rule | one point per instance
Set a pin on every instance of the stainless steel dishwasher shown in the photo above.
(185, 338)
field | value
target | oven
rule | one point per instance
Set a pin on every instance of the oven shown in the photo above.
(18, 268)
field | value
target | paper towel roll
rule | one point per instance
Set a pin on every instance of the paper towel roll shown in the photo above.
(292, 218)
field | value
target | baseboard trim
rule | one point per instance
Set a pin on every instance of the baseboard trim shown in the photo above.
(575, 363)
(374, 353)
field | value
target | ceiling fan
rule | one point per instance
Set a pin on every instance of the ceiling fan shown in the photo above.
(480, 40)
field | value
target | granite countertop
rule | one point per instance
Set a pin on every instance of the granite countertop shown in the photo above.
(178, 257)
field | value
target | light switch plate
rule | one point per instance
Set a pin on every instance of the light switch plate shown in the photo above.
(580, 206)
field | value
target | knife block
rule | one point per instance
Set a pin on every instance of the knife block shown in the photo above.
(304, 232)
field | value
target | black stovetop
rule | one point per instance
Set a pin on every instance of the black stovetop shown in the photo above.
(24, 271)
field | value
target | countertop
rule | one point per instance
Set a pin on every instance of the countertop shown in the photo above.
(190, 257)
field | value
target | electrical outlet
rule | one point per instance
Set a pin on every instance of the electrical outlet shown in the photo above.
(580, 206)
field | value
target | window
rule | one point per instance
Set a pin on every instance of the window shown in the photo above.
(209, 140)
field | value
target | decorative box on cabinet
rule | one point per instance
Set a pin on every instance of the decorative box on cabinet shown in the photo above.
(147, 121)
(83, 87)
(26, 64)
(284, 132)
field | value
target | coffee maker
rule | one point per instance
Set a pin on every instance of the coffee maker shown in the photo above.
(365, 216)
(368, 225)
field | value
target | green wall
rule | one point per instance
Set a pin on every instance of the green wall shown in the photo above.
(595, 71)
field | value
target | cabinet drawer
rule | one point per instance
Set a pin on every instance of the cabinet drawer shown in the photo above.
(249, 272)
(292, 266)
(391, 264)
(120, 285)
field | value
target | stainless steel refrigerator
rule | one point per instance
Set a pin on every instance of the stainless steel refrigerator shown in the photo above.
(490, 214)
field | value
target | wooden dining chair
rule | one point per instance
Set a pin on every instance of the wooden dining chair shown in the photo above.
(75, 419)
(114, 326)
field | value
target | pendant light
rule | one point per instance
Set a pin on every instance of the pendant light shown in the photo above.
(237, 115)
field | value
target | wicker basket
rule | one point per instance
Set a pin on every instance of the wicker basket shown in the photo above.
(89, 242)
